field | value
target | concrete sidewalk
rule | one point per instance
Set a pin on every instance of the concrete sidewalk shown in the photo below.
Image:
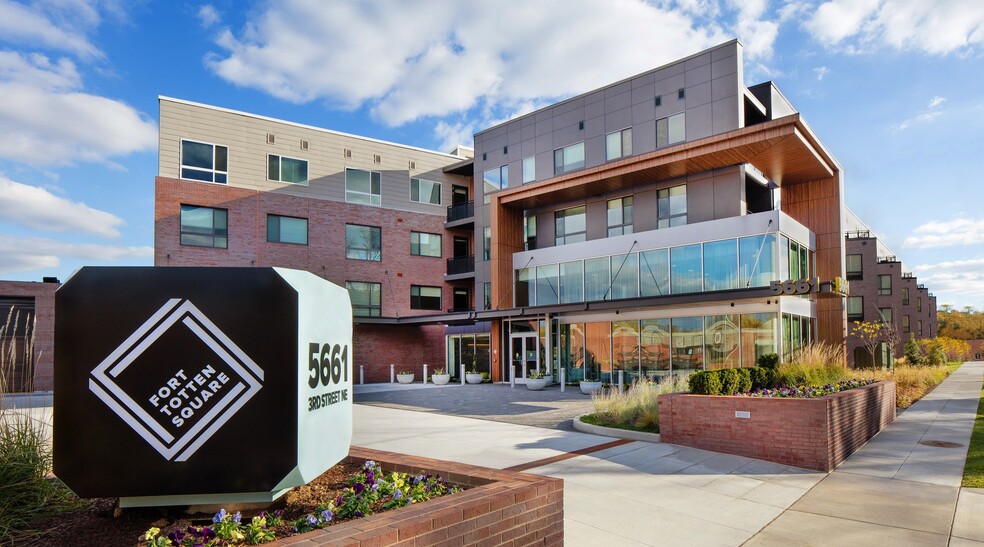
(903, 486)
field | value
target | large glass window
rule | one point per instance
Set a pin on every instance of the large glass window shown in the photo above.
(688, 344)
(568, 158)
(205, 162)
(204, 227)
(625, 350)
(596, 278)
(854, 269)
(855, 308)
(487, 295)
(721, 342)
(284, 169)
(905, 296)
(886, 315)
(496, 179)
(654, 273)
(547, 291)
(794, 260)
(758, 336)
(363, 242)
(572, 282)
(721, 265)
(598, 351)
(672, 206)
(618, 144)
(654, 347)
(686, 274)
(620, 216)
(363, 187)
(884, 285)
(783, 254)
(625, 274)
(282, 229)
(529, 169)
(570, 225)
(757, 261)
(487, 243)
(425, 298)
(529, 233)
(671, 130)
(366, 298)
(424, 244)
(425, 191)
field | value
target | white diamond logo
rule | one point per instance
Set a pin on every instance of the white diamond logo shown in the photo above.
(214, 406)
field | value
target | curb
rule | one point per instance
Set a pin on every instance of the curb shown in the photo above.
(614, 432)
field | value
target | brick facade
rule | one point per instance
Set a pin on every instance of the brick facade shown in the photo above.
(500, 508)
(44, 335)
(810, 433)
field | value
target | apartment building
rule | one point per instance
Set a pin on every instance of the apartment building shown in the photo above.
(633, 228)
(27, 328)
(883, 289)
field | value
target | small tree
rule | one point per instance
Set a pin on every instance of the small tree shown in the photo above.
(870, 334)
(913, 354)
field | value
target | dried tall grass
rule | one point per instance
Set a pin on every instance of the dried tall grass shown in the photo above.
(816, 364)
(911, 382)
(637, 407)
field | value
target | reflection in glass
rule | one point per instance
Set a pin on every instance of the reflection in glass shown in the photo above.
(598, 351)
(654, 273)
(688, 344)
(625, 349)
(721, 341)
(757, 261)
(721, 265)
(572, 282)
(546, 285)
(758, 337)
(685, 269)
(523, 288)
(596, 280)
(625, 269)
(655, 347)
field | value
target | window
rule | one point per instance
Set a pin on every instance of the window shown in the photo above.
(284, 169)
(672, 206)
(905, 323)
(529, 169)
(620, 216)
(854, 267)
(570, 226)
(425, 298)
(886, 315)
(487, 243)
(496, 179)
(487, 298)
(905, 296)
(671, 130)
(287, 229)
(568, 158)
(658, 101)
(681, 93)
(366, 298)
(919, 323)
(884, 285)
(529, 233)
(618, 144)
(205, 162)
(425, 191)
(363, 242)
(204, 227)
(855, 308)
(362, 187)
(721, 265)
(686, 269)
(424, 244)
(919, 307)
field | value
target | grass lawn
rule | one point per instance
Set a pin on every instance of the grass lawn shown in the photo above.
(974, 468)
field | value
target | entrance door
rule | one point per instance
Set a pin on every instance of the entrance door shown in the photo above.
(524, 354)
(459, 195)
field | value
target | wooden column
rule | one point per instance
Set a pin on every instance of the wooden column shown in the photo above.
(819, 205)
(507, 238)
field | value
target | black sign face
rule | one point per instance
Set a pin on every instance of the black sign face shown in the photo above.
(175, 381)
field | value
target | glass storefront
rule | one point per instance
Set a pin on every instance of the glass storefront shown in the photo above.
(471, 350)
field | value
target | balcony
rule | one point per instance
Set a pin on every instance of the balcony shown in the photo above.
(460, 215)
(460, 267)
(859, 234)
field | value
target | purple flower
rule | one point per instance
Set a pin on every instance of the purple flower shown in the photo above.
(237, 518)
(208, 533)
(195, 531)
(370, 477)
(397, 495)
(312, 521)
(219, 516)
(369, 465)
(359, 514)
(358, 488)
(338, 501)
(326, 515)
(176, 536)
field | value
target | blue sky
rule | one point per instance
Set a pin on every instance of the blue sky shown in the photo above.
(894, 89)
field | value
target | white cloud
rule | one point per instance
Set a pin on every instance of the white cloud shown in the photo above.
(405, 62)
(954, 281)
(22, 254)
(930, 114)
(54, 25)
(940, 27)
(46, 119)
(821, 71)
(949, 233)
(208, 15)
(39, 209)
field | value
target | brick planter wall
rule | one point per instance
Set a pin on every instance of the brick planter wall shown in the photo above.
(811, 433)
(500, 508)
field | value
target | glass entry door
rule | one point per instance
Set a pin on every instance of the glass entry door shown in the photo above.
(524, 353)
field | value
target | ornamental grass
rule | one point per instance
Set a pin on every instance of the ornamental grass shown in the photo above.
(911, 382)
(636, 408)
(817, 364)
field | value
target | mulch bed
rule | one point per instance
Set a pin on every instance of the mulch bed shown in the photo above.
(100, 522)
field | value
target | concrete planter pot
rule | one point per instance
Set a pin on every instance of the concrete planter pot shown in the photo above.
(440, 379)
(588, 388)
(405, 378)
(536, 384)
(473, 378)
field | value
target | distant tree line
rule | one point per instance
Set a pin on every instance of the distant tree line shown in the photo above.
(965, 324)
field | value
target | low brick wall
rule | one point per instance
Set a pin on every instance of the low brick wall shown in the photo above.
(811, 433)
(500, 508)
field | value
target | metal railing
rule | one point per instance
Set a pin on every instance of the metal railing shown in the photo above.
(858, 234)
(461, 265)
(461, 211)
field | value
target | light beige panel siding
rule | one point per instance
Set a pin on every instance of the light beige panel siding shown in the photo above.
(246, 138)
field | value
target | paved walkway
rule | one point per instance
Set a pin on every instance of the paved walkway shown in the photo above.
(894, 489)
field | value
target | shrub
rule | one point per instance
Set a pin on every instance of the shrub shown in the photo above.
(913, 354)
(705, 383)
(744, 379)
(769, 360)
(730, 380)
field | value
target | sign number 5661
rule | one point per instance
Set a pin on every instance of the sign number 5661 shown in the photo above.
(328, 364)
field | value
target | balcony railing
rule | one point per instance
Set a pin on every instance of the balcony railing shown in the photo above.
(461, 211)
(462, 309)
(461, 265)
(890, 258)
(859, 234)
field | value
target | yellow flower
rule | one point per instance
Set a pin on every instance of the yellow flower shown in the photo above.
(152, 533)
